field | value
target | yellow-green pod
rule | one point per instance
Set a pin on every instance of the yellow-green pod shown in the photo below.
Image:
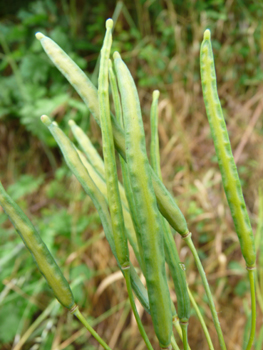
(224, 154)
(93, 156)
(74, 163)
(154, 147)
(101, 184)
(87, 147)
(171, 253)
(146, 206)
(71, 71)
(111, 176)
(89, 94)
(42, 256)
(124, 168)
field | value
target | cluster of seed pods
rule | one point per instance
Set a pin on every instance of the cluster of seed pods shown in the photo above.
(141, 210)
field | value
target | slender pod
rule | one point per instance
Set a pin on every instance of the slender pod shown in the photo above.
(44, 260)
(93, 155)
(88, 148)
(154, 147)
(146, 206)
(42, 256)
(124, 169)
(171, 253)
(111, 174)
(101, 184)
(115, 95)
(109, 152)
(88, 93)
(224, 154)
(230, 178)
(71, 71)
(74, 163)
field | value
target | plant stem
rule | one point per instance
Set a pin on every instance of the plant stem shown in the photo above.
(199, 265)
(78, 314)
(174, 344)
(259, 294)
(176, 324)
(260, 339)
(184, 331)
(135, 312)
(178, 328)
(201, 319)
(251, 275)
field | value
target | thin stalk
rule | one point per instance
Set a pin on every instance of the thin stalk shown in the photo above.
(201, 319)
(259, 343)
(251, 275)
(135, 312)
(191, 246)
(78, 314)
(184, 327)
(174, 344)
(176, 324)
(259, 294)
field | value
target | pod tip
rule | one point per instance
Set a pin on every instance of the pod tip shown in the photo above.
(45, 120)
(109, 23)
(207, 34)
(116, 55)
(156, 94)
(110, 63)
(39, 36)
(71, 122)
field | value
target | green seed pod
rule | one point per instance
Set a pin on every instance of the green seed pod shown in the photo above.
(171, 253)
(101, 184)
(74, 163)
(88, 93)
(224, 154)
(145, 201)
(42, 256)
(81, 83)
(124, 168)
(109, 152)
(154, 149)
(93, 156)
(88, 148)
(71, 71)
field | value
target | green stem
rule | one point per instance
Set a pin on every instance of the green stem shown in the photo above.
(184, 327)
(174, 344)
(176, 324)
(199, 265)
(78, 314)
(201, 319)
(260, 339)
(258, 294)
(135, 312)
(251, 275)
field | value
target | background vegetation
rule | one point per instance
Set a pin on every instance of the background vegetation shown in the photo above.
(160, 42)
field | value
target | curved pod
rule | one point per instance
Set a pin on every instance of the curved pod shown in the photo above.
(89, 94)
(42, 256)
(74, 163)
(224, 154)
(146, 205)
